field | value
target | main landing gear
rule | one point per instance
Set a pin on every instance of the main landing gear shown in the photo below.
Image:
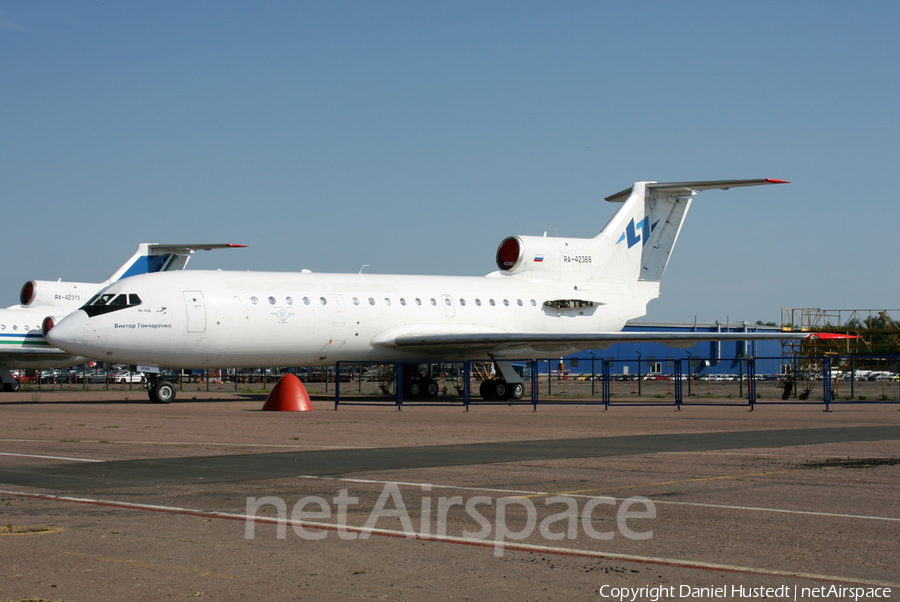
(508, 385)
(497, 388)
(9, 382)
(159, 390)
(416, 386)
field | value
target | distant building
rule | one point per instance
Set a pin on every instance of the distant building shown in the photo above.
(704, 358)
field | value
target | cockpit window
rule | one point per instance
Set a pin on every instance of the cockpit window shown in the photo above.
(101, 299)
(105, 303)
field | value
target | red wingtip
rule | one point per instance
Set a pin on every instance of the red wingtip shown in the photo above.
(237, 246)
(771, 181)
(825, 336)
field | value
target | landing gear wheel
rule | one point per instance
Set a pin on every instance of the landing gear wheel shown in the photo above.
(487, 390)
(501, 389)
(11, 387)
(414, 389)
(517, 391)
(430, 388)
(162, 392)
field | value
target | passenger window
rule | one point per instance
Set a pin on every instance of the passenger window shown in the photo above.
(402, 301)
(418, 301)
(506, 302)
(478, 302)
(519, 302)
(371, 300)
(289, 300)
(254, 300)
(271, 300)
(387, 301)
(462, 302)
(434, 301)
(355, 300)
(492, 303)
(323, 300)
(305, 300)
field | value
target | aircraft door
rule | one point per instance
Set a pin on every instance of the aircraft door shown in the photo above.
(195, 311)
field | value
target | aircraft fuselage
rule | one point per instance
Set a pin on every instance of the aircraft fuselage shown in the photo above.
(256, 319)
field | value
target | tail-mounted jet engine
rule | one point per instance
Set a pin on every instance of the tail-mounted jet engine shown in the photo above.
(39, 293)
(547, 257)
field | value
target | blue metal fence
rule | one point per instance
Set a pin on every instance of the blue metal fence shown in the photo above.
(673, 370)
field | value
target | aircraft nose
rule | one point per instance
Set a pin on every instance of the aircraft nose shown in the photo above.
(71, 334)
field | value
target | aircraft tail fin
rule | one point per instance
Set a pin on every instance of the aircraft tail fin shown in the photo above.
(637, 242)
(155, 257)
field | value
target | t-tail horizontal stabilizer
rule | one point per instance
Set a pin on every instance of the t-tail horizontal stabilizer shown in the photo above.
(154, 257)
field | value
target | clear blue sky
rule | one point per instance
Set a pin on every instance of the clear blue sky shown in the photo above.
(415, 136)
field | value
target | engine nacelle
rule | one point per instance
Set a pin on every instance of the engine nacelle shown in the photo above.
(40, 293)
(547, 257)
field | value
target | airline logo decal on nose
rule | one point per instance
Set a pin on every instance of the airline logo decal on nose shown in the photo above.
(632, 235)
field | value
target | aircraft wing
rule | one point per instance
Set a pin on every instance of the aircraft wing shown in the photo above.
(46, 357)
(500, 341)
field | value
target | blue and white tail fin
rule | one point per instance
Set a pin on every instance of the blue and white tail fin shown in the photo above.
(154, 257)
(149, 257)
(637, 243)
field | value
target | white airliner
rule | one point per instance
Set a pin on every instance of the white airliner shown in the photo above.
(551, 297)
(22, 344)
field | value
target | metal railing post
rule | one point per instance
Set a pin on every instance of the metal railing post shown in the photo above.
(678, 385)
(751, 382)
(337, 385)
(399, 386)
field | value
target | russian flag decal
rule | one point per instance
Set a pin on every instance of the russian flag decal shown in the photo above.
(538, 258)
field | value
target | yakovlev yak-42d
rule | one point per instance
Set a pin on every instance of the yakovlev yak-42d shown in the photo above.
(552, 296)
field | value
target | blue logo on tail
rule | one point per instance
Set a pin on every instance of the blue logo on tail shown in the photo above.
(632, 235)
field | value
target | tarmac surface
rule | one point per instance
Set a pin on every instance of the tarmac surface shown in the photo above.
(106, 497)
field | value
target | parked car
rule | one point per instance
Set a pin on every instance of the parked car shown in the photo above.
(24, 378)
(51, 376)
(73, 375)
(126, 376)
(96, 376)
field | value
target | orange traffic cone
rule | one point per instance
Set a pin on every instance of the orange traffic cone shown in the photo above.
(288, 395)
